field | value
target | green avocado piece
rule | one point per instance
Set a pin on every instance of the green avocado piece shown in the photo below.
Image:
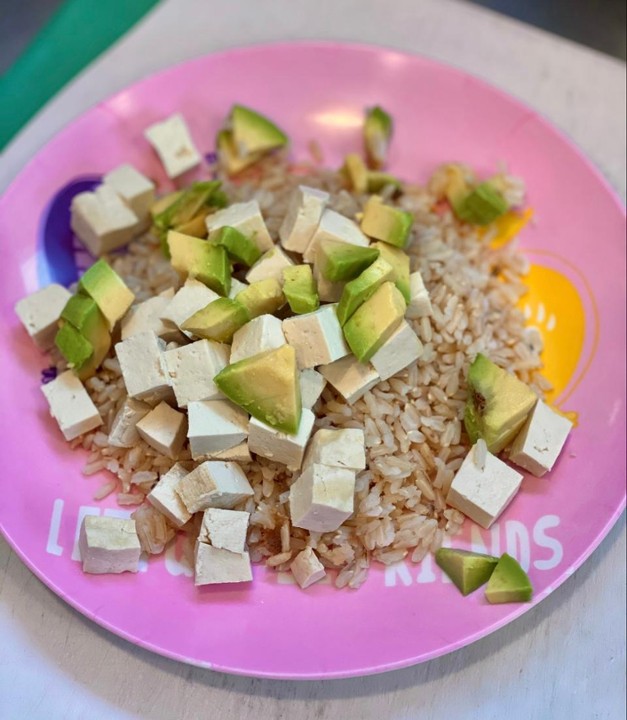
(241, 248)
(497, 406)
(253, 132)
(196, 227)
(399, 261)
(357, 291)
(468, 570)
(106, 287)
(164, 202)
(377, 135)
(218, 321)
(355, 172)
(339, 261)
(263, 297)
(267, 386)
(508, 582)
(481, 206)
(229, 159)
(299, 288)
(378, 180)
(374, 321)
(386, 223)
(75, 348)
(200, 259)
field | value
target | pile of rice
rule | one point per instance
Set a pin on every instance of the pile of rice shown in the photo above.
(413, 422)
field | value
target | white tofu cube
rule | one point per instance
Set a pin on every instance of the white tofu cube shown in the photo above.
(280, 447)
(102, 221)
(321, 499)
(400, 350)
(337, 448)
(174, 145)
(269, 266)
(225, 529)
(166, 500)
(71, 406)
(541, 439)
(164, 429)
(147, 316)
(192, 368)
(260, 334)
(238, 453)
(137, 191)
(334, 226)
(191, 298)
(420, 302)
(236, 287)
(245, 217)
(317, 337)
(216, 566)
(350, 378)
(214, 484)
(311, 386)
(306, 568)
(303, 216)
(39, 313)
(483, 494)
(215, 425)
(123, 431)
(109, 545)
(143, 368)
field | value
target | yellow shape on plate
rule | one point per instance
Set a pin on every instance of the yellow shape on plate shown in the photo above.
(507, 226)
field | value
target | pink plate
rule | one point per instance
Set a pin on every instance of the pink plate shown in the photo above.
(404, 614)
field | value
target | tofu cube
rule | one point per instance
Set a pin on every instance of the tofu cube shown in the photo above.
(123, 431)
(137, 191)
(420, 302)
(334, 226)
(143, 367)
(147, 316)
(164, 429)
(216, 566)
(236, 287)
(192, 368)
(215, 425)
(245, 217)
(214, 484)
(260, 334)
(280, 447)
(102, 221)
(311, 386)
(238, 453)
(400, 350)
(166, 500)
(337, 448)
(350, 378)
(322, 498)
(109, 545)
(539, 443)
(225, 529)
(306, 568)
(191, 298)
(174, 145)
(483, 494)
(71, 406)
(269, 266)
(317, 337)
(39, 313)
(303, 217)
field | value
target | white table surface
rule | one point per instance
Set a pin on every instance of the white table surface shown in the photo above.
(564, 658)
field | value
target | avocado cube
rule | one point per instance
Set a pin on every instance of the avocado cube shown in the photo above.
(218, 321)
(83, 315)
(240, 247)
(399, 261)
(378, 129)
(508, 582)
(300, 290)
(227, 154)
(340, 261)
(107, 288)
(468, 570)
(386, 223)
(200, 259)
(356, 172)
(357, 291)
(74, 347)
(482, 205)
(252, 132)
(263, 297)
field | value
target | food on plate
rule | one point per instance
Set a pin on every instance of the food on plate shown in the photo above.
(308, 368)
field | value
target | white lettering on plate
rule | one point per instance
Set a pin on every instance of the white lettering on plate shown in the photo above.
(53, 546)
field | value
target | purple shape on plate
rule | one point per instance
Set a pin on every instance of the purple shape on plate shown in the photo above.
(48, 374)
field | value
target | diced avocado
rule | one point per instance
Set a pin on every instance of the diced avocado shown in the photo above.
(508, 582)
(374, 321)
(399, 261)
(84, 315)
(377, 135)
(299, 288)
(75, 348)
(202, 260)
(164, 202)
(263, 297)
(196, 227)
(267, 386)
(497, 406)
(254, 133)
(379, 180)
(218, 321)
(356, 173)
(106, 287)
(357, 291)
(457, 187)
(386, 223)
(229, 159)
(339, 261)
(482, 205)
(241, 248)
(468, 570)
